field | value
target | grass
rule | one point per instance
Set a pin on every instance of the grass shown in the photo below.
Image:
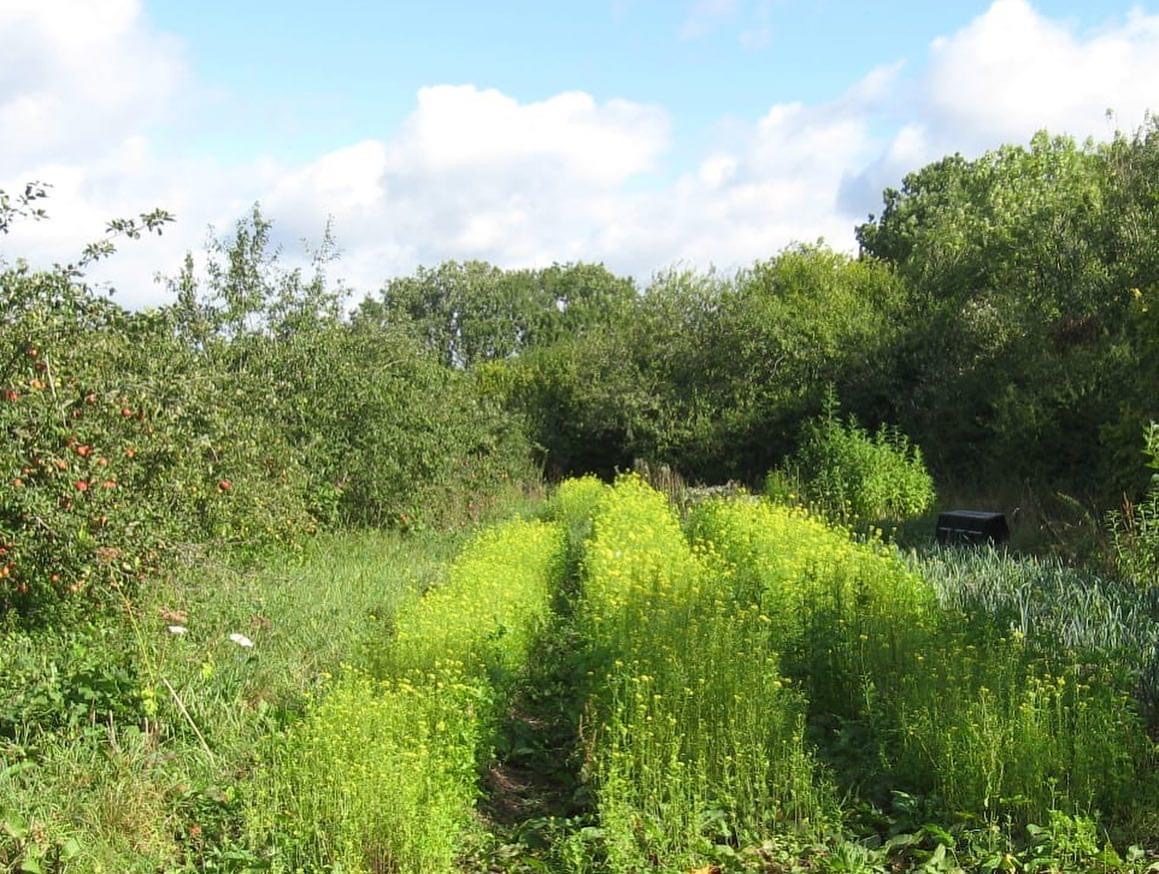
(382, 774)
(146, 776)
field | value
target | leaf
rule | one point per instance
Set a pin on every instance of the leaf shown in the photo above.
(900, 842)
(939, 834)
(14, 825)
(69, 850)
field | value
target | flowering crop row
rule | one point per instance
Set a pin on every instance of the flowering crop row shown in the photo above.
(948, 706)
(711, 654)
(696, 737)
(381, 775)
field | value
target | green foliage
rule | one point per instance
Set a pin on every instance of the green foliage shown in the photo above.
(574, 503)
(95, 750)
(483, 617)
(937, 702)
(1053, 607)
(841, 612)
(67, 682)
(379, 776)
(1135, 529)
(245, 415)
(383, 432)
(1022, 355)
(121, 446)
(472, 312)
(854, 477)
(712, 374)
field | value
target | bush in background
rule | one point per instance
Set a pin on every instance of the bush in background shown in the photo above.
(852, 476)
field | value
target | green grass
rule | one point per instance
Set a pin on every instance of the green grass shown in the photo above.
(145, 775)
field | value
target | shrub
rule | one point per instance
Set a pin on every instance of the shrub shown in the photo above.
(853, 476)
(121, 446)
(497, 594)
(379, 776)
(386, 433)
(1134, 530)
(841, 612)
(575, 500)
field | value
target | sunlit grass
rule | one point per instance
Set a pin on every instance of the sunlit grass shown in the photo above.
(149, 800)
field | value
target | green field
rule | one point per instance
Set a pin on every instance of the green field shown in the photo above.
(601, 685)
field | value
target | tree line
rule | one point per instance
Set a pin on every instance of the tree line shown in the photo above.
(1002, 312)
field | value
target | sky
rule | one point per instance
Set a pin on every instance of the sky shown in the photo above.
(638, 133)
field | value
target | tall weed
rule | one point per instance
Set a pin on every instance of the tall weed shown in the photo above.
(852, 476)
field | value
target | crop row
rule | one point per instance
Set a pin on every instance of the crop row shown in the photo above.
(696, 739)
(728, 663)
(381, 774)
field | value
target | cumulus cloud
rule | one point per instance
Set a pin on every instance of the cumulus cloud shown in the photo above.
(78, 77)
(1008, 74)
(476, 173)
(1013, 70)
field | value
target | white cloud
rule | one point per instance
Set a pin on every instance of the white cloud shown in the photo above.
(79, 76)
(1008, 74)
(476, 173)
(1013, 71)
(461, 127)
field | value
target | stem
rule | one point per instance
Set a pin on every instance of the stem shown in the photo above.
(52, 389)
(189, 719)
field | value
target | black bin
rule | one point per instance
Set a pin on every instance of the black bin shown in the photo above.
(972, 526)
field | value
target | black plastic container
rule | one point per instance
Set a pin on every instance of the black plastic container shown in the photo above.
(972, 526)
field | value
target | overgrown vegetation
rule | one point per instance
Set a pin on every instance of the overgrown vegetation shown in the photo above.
(852, 477)
(381, 774)
(233, 636)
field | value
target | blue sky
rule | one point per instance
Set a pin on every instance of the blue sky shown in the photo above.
(638, 133)
(294, 78)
